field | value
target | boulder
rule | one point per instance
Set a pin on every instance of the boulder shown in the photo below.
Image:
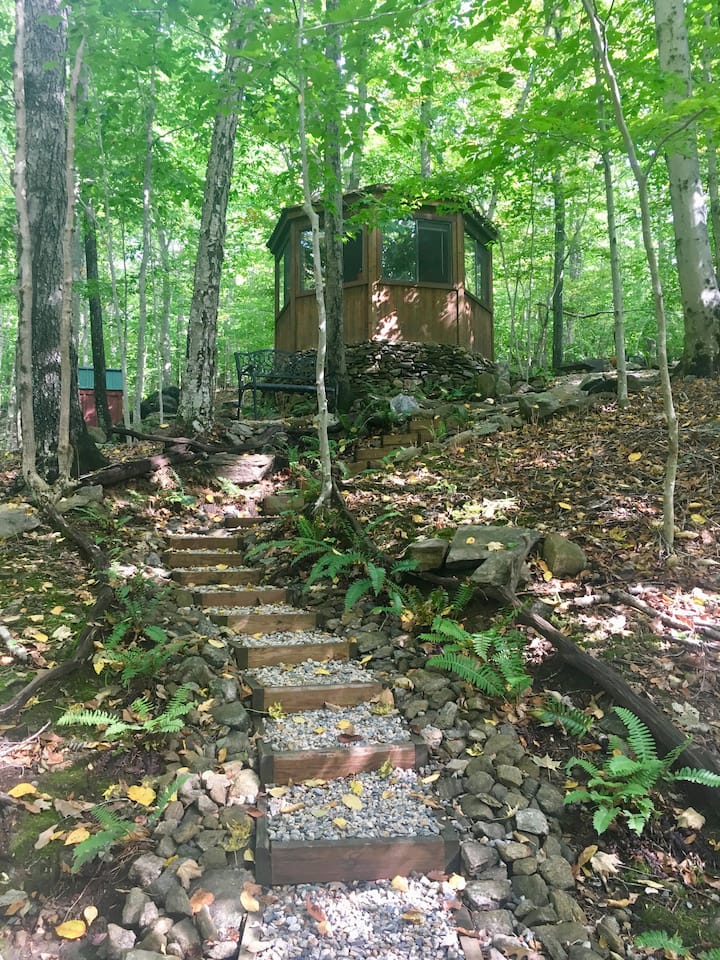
(17, 519)
(428, 554)
(563, 557)
(473, 545)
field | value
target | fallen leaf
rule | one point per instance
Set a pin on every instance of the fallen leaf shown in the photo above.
(605, 864)
(456, 881)
(634, 457)
(90, 913)
(587, 854)
(142, 795)
(187, 871)
(413, 916)
(400, 883)
(78, 835)
(314, 909)
(47, 836)
(324, 928)
(249, 902)
(691, 819)
(352, 802)
(356, 787)
(431, 778)
(71, 929)
(340, 823)
(21, 790)
(201, 898)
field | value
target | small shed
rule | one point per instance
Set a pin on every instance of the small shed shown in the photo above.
(423, 276)
(86, 389)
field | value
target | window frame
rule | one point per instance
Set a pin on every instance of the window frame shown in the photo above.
(442, 228)
(481, 264)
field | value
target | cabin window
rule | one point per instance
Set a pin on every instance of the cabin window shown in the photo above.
(283, 272)
(417, 251)
(477, 267)
(352, 258)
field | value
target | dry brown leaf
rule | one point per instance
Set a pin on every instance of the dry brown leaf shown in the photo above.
(314, 909)
(413, 916)
(201, 898)
(249, 902)
(400, 883)
(691, 819)
(187, 871)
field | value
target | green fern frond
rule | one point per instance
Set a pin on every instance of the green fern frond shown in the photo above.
(445, 629)
(692, 775)
(355, 592)
(141, 707)
(114, 829)
(584, 764)
(712, 954)
(377, 577)
(640, 739)
(403, 566)
(482, 643)
(481, 675)
(87, 718)
(571, 719)
(661, 940)
(167, 795)
(462, 598)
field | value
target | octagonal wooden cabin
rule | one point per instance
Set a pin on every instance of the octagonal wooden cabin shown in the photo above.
(423, 277)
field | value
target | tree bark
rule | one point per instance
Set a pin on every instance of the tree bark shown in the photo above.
(698, 280)
(197, 397)
(146, 255)
(558, 267)
(97, 336)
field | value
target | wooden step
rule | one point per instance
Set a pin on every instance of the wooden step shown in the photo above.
(248, 658)
(352, 858)
(231, 577)
(285, 766)
(265, 622)
(356, 468)
(203, 558)
(395, 440)
(372, 453)
(245, 523)
(203, 541)
(293, 699)
(239, 598)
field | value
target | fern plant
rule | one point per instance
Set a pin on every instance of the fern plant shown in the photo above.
(170, 720)
(554, 711)
(492, 660)
(622, 786)
(115, 829)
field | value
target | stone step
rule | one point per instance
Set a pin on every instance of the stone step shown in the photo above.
(292, 766)
(309, 696)
(239, 598)
(249, 657)
(264, 621)
(230, 577)
(203, 558)
(203, 541)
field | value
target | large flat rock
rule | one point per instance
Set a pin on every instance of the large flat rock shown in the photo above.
(472, 544)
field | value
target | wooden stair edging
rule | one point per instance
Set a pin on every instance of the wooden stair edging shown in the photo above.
(251, 657)
(247, 523)
(247, 597)
(265, 622)
(203, 558)
(202, 541)
(294, 699)
(284, 766)
(352, 858)
(232, 577)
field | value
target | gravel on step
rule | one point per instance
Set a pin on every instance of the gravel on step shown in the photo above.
(319, 730)
(269, 609)
(311, 673)
(367, 805)
(287, 638)
(357, 921)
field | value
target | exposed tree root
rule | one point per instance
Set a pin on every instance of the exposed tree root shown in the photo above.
(120, 472)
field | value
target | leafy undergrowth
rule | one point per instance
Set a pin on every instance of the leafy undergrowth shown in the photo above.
(594, 476)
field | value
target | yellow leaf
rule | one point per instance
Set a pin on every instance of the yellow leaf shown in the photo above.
(322, 672)
(36, 618)
(413, 916)
(71, 929)
(90, 913)
(249, 902)
(565, 506)
(400, 883)
(37, 635)
(210, 497)
(315, 782)
(456, 882)
(345, 726)
(352, 802)
(319, 730)
(99, 665)
(222, 755)
(142, 795)
(340, 822)
(697, 518)
(546, 571)
(214, 642)
(277, 791)
(470, 540)
(222, 566)
(431, 778)
(21, 790)
(634, 457)
(365, 659)
(76, 836)
(356, 787)
(248, 856)
(416, 518)
(386, 769)
(57, 610)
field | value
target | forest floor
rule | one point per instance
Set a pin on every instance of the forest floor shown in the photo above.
(594, 476)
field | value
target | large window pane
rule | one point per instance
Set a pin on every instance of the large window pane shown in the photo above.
(434, 252)
(399, 259)
(477, 275)
(353, 257)
(307, 264)
(284, 276)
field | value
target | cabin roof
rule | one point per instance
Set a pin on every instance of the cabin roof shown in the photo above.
(374, 192)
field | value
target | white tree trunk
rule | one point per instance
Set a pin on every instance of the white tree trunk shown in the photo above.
(696, 273)
(145, 260)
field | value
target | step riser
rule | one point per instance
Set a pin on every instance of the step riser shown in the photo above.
(203, 543)
(265, 622)
(230, 578)
(249, 658)
(239, 598)
(247, 523)
(317, 861)
(204, 558)
(296, 699)
(288, 766)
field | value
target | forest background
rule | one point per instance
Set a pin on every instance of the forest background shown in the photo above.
(495, 102)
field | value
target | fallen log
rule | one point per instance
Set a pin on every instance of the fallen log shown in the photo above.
(666, 734)
(120, 472)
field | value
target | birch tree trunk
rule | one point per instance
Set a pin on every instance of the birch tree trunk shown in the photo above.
(97, 334)
(197, 396)
(601, 53)
(146, 255)
(558, 267)
(698, 281)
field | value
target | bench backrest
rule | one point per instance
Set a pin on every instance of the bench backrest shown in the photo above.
(275, 365)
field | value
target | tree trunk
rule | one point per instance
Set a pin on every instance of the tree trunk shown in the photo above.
(165, 363)
(558, 268)
(698, 281)
(334, 228)
(145, 259)
(712, 158)
(46, 199)
(197, 397)
(97, 336)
